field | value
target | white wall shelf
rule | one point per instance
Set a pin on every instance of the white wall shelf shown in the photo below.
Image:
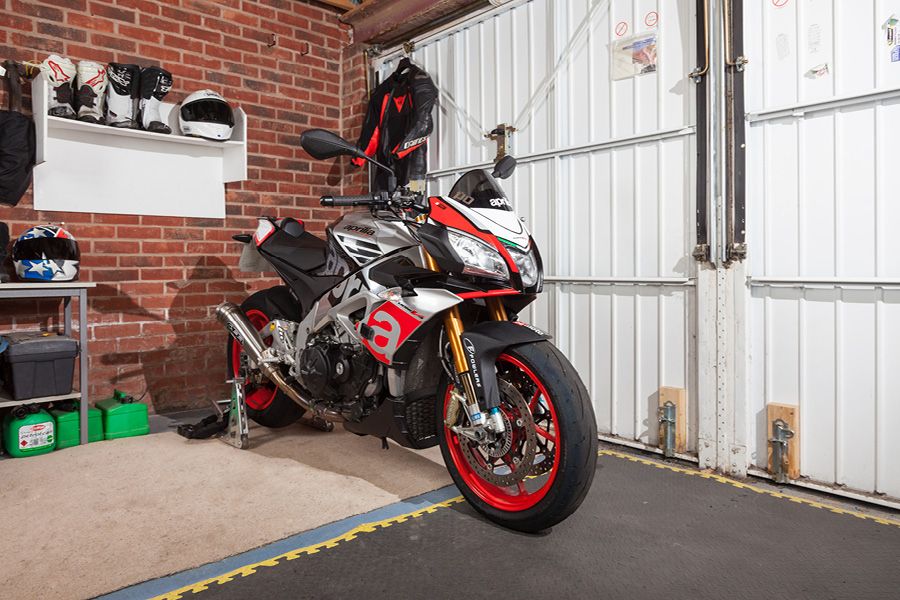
(85, 167)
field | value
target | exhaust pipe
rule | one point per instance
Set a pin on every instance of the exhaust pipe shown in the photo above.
(234, 320)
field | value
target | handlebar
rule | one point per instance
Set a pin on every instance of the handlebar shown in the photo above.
(378, 201)
(361, 200)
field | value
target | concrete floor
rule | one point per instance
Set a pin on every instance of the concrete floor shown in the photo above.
(91, 519)
(646, 530)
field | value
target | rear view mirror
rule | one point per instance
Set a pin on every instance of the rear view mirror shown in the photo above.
(504, 167)
(322, 144)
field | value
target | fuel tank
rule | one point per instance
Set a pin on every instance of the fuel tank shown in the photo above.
(358, 238)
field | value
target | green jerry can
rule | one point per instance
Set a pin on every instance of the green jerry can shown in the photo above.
(123, 417)
(68, 425)
(28, 431)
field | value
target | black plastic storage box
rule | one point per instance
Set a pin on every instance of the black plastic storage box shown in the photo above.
(38, 364)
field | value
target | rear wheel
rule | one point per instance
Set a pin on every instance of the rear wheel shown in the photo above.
(539, 472)
(266, 404)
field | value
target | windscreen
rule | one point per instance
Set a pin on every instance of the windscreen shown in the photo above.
(477, 189)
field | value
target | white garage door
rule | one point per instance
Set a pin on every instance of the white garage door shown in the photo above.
(605, 180)
(823, 97)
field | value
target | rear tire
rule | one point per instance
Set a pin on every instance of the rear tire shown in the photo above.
(570, 424)
(267, 405)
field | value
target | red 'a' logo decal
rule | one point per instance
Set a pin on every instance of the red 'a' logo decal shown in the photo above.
(399, 102)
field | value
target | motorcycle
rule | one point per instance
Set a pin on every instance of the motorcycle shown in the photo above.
(403, 325)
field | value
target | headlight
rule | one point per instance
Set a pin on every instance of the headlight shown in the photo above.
(479, 258)
(526, 264)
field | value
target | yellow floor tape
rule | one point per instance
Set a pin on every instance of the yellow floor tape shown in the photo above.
(250, 569)
(746, 486)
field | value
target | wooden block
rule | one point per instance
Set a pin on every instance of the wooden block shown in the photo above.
(790, 414)
(677, 397)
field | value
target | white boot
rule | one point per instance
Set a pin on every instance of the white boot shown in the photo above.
(155, 84)
(60, 74)
(90, 91)
(122, 95)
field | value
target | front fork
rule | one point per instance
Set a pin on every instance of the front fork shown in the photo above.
(453, 325)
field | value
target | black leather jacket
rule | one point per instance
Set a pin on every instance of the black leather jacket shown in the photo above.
(398, 123)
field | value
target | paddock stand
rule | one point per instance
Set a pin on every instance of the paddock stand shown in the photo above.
(230, 420)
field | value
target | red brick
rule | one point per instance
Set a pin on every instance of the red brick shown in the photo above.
(160, 277)
(112, 12)
(114, 43)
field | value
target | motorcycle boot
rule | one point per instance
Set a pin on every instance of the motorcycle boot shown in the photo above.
(155, 84)
(91, 91)
(122, 95)
(60, 74)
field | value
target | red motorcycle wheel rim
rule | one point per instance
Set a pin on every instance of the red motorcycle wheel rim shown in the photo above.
(257, 397)
(499, 497)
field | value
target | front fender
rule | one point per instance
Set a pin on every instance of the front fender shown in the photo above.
(483, 343)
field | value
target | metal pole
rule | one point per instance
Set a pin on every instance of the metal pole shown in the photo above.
(83, 362)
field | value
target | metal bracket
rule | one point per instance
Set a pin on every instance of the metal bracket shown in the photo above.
(781, 433)
(408, 47)
(737, 251)
(701, 252)
(740, 62)
(500, 134)
(667, 415)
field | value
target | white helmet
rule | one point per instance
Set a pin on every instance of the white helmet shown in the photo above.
(206, 114)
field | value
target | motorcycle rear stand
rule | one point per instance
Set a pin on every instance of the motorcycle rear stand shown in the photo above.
(237, 430)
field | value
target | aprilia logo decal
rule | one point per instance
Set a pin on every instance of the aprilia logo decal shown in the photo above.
(360, 229)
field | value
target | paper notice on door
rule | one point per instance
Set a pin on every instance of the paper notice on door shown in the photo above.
(633, 56)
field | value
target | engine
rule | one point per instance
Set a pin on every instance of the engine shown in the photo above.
(337, 372)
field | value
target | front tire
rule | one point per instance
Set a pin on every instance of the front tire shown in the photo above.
(566, 432)
(266, 404)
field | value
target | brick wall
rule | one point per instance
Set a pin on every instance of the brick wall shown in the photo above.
(151, 324)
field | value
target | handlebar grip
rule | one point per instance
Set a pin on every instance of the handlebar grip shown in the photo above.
(346, 200)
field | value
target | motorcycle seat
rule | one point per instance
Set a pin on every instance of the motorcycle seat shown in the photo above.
(292, 226)
(296, 247)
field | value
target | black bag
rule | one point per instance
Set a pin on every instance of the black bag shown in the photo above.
(17, 142)
(4, 245)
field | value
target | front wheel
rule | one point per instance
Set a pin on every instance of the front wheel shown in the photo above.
(541, 469)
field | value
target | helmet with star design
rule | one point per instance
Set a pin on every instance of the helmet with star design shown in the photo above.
(46, 253)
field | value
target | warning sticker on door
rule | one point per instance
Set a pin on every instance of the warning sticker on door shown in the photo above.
(633, 56)
(35, 436)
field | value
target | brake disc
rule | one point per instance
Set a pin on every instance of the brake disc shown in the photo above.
(546, 463)
(522, 442)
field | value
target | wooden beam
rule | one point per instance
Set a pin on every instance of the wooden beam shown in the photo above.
(790, 415)
(386, 21)
(342, 4)
(676, 396)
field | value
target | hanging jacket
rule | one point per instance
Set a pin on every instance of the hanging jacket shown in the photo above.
(17, 142)
(397, 125)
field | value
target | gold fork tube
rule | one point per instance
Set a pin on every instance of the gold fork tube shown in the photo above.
(452, 324)
(496, 309)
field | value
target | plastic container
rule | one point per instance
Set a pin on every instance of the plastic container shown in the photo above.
(123, 417)
(28, 431)
(68, 425)
(38, 364)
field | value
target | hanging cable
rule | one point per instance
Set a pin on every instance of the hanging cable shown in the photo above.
(560, 63)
